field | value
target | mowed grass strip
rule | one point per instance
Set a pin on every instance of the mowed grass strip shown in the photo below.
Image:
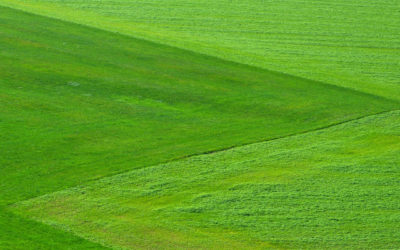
(335, 188)
(350, 43)
(80, 103)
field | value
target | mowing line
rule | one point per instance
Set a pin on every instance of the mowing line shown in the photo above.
(222, 60)
(242, 145)
(198, 53)
(217, 151)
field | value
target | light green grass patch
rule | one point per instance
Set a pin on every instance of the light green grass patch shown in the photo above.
(334, 188)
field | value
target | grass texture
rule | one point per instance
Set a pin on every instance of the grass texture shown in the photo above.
(79, 103)
(351, 43)
(334, 188)
(19, 233)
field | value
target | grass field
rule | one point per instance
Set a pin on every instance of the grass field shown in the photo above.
(111, 137)
(84, 103)
(336, 188)
(352, 43)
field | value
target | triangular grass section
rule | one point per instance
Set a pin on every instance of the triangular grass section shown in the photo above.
(333, 188)
(351, 43)
(21, 233)
(79, 103)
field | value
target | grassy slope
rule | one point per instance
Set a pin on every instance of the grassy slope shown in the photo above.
(20, 233)
(78, 104)
(349, 43)
(334, 188)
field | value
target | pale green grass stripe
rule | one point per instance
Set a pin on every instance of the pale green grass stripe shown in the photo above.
(333, 188)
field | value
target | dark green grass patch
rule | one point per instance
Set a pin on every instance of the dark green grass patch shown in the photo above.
(335, 188)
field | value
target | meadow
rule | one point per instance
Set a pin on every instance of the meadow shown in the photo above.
(331, 189)
(351, 43)
(142, 124)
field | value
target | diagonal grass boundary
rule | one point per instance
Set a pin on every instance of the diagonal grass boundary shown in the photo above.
(246, 144)
(138, 29)
(60, 226)
(271, 139)
(221, 150)
(294, 81)
(278, 73)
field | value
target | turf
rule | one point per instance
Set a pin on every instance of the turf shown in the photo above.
(20, 233)
(334, 188)
(78, 104)
(350, 43)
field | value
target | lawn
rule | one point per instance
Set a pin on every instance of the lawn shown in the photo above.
(121, 130)
(335, 188)
(79, 103)
(351, 43)
(23, 233)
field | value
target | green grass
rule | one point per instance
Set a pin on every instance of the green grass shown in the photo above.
(334, 188)
(20, 233)
(350, 43)
(78, 104)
